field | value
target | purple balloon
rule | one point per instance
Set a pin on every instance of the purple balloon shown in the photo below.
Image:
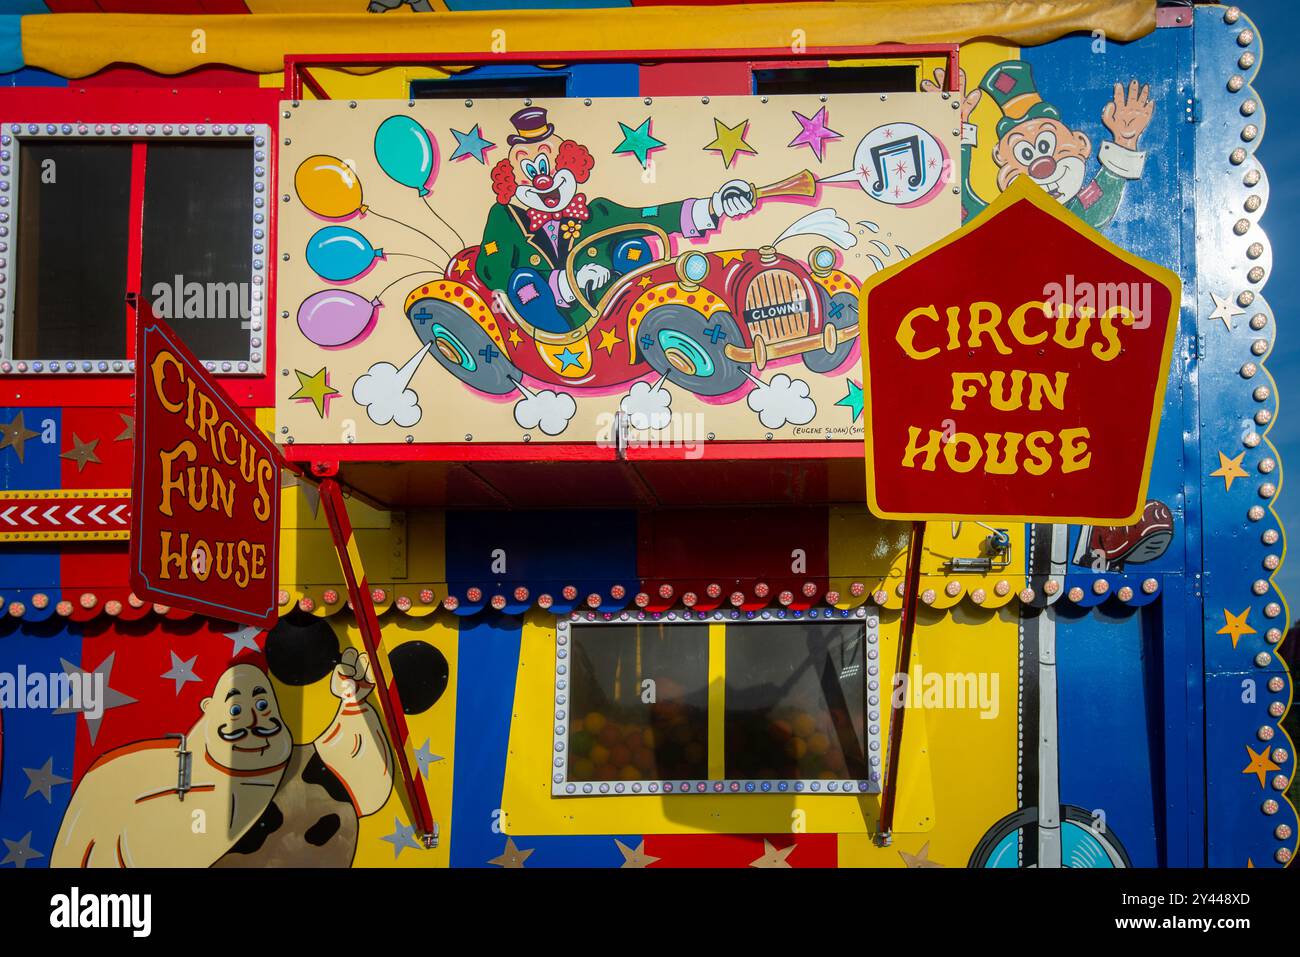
(336, 317)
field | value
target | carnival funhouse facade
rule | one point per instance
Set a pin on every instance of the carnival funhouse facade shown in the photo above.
(565, 302)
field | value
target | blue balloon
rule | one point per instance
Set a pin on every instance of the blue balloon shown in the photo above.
(340, 253)
(405, 152)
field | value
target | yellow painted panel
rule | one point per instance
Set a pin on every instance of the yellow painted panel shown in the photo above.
(533, 811)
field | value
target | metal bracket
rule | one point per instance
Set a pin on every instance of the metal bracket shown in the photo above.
(184, 767)
(430, 840)
(997, 554)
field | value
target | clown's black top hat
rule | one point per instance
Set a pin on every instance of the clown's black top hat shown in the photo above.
(530, 126)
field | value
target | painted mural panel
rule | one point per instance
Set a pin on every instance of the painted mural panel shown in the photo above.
(498, 273)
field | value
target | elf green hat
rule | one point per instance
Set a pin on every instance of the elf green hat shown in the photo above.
(1011, 85)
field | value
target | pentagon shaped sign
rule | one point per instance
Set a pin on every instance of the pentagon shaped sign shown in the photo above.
(1016, 370)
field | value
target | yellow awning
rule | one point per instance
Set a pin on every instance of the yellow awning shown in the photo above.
(76, 45)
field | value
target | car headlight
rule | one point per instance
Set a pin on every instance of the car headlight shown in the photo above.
(821, 260)
(692, 268)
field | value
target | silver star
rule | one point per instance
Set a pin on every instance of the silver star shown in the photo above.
(403, 836)
(1223, 310)
(310, 491)
(112, 698)
(42, 779)
(424, 757)
(244, 638)
(181, 671)
(20, 852)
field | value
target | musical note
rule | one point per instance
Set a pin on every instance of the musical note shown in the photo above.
(911, 145)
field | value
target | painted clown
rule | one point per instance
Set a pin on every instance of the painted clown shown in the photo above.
(540, 215)
(1033, 141)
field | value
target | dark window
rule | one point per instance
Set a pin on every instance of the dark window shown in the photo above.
(837, 79)
(198, 207)
(625, 729)
(492, 87)
(794, 701)
(74, 267)
(73, 211)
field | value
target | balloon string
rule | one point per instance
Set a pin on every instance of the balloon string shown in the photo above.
(459, 239)
(409, 226)
(422, 272)
(423, 259)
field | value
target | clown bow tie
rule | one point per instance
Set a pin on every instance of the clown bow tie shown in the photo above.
(577, 209)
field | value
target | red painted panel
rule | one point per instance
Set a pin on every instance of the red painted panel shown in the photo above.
(206, 77)
(717, 544)
(741, 850)
(101, 568)
(95, 432)
(697, 78)
(147, 6)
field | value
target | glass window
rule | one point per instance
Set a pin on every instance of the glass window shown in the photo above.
(640, 703)
(197, 258)
(794, 701)
(472, 87)
(706, 705)
(886, 78)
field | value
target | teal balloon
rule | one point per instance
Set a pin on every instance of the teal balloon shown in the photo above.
(340, 253)
(405, 152)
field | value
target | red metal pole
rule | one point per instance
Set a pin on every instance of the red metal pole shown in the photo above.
(898, 708)
(336, 513)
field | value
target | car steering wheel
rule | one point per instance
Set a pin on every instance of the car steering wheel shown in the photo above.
(571, 262)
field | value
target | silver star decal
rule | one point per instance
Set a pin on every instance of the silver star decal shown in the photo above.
(41, 779)
(424, 757)
(112, 698)
(20, 852)
(181, 671)
(1223, 309)
(244, 638)
(403, 836)
(310, 490)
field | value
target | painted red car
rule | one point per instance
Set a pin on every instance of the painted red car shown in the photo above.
(703, 319)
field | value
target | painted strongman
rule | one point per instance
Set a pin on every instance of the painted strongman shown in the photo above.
(540, 216)
(1033, 141)
(135, 806)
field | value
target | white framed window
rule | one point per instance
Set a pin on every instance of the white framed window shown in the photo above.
(703, 703)
(100, 220)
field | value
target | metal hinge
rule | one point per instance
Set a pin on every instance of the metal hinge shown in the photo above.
(184, 766)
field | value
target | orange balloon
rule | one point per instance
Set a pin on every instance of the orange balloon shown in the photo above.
(328, 187)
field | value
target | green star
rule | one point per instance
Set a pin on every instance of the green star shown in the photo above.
(638, 141)
(853, 400)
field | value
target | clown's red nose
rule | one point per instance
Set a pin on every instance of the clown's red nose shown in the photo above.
(1042, 167)
(543, 182)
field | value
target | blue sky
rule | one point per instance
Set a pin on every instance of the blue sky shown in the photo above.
(1279, 30)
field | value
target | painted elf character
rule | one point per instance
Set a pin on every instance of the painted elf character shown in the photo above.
(135, 807)
(540, 216)
(1034, 142)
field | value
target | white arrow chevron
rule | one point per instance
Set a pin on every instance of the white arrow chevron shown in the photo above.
(46, 514)
(94, 514)
(115, 517)
(27, 514)
(7, 512)
(72, 515)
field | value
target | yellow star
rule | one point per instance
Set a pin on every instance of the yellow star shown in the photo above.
(1223, 310)
(608, 340)
(643, 281)
(634, 857)
(731, 255)
(490, 248)
(920, 859)
(514, 336)
(314, 389)
(81, 452)
(772, 857)
(1235, 625)
(1260, 764)
(511, 856)
(462, 266)
(1229, 469)
(15, 435)
(730, 140)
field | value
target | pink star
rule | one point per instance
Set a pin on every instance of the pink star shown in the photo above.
(813, 131)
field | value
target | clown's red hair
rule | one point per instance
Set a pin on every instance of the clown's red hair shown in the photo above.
(572, 156)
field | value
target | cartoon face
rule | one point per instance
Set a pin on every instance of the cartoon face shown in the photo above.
(1048, 152)
(243, 730)
(544, 175)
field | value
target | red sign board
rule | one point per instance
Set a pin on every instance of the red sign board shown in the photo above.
(205, 518)
(1016, 370)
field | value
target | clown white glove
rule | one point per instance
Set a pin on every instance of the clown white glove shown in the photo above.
(733, 198)
(590, 276)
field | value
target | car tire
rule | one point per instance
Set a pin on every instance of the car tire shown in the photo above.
(819, 360)
(678, 341)
(462, 347)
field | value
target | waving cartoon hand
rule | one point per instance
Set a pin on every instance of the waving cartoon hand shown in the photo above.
(1128, 114)
(351, 678)
(968, 100)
